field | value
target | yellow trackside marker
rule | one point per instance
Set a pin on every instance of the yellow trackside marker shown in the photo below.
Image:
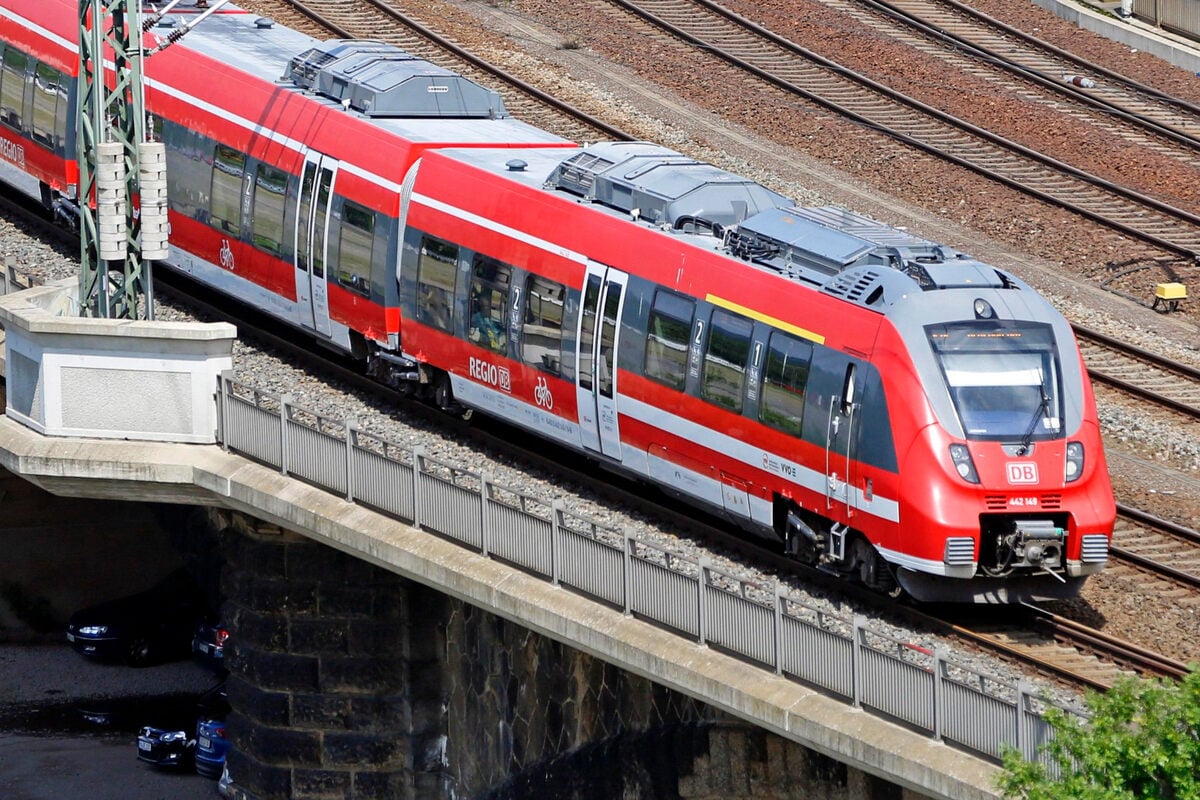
(777, 323)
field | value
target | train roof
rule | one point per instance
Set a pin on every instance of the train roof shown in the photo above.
(398, 92)
(661, 186)
(832, 250)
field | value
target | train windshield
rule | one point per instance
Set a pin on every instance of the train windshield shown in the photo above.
(1003, 378)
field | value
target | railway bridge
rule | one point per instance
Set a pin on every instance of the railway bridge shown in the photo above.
(402, 627)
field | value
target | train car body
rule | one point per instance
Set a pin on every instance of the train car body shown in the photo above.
(880, 405)
(284, 153)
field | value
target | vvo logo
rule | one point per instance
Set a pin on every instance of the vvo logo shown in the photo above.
(491, 374)
(1022, 472)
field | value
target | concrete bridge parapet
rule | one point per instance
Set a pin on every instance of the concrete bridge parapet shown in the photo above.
(109, 378)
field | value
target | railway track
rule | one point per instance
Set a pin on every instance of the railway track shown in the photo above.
(1068, 650)
(1157, 546)
(973, 36)
(1141, 373)
(789, 67)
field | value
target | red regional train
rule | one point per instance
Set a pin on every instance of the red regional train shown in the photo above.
(878, 404)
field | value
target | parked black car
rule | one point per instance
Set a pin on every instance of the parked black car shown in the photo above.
(149, 627)
(200, 744)
(168, 749)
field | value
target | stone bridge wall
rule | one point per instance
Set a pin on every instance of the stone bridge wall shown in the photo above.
(348, 681)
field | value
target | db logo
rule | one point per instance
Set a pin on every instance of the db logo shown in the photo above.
(1022, 472)
(490, 373)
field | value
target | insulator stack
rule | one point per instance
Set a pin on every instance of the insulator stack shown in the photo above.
(111, 201)
(152, 187)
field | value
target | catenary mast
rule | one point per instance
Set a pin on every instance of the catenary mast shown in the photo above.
(116, 163)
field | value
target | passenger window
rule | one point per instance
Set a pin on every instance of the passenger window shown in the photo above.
(354, 248)
(436, 265)
(488, 299)
(668, 333)
(320, 220)
(725, 360)
(47, 97)
(63, 111)
(542, 333)
(608, 339)
(784, 380)
(587, 330)
(185, 151)
(266, 217)
(12, 88)
(226, 210)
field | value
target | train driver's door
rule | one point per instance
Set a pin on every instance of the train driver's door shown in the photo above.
(311, 244)
(596, 357)
(839, 443)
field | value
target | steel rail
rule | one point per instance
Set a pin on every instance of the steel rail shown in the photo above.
(1168, 235)
(1071, 632)
(1097, 97)
(1097, 69)
(1171, 530)
(1185, 372)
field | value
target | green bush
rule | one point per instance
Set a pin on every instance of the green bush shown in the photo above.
(1142, 741)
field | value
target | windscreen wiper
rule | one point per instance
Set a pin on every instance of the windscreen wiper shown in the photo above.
(1038, 414)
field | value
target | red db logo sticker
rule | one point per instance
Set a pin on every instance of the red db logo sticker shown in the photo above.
(1022, 473)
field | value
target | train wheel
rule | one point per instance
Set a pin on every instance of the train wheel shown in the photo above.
(874, 571)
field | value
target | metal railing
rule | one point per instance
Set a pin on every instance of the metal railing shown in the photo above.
(841, 656)
(14, 280)
(1179, 16)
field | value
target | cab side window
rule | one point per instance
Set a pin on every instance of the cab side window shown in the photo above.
(668, 332)
(725, 359)
(437, 262)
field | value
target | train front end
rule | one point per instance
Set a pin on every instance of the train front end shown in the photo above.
(1015, 502)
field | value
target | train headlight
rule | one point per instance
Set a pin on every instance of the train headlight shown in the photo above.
(963, 463)
(983, 309)
(1074, 461)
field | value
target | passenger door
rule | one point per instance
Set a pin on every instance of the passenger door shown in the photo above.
(311, 244)
(596, 355)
